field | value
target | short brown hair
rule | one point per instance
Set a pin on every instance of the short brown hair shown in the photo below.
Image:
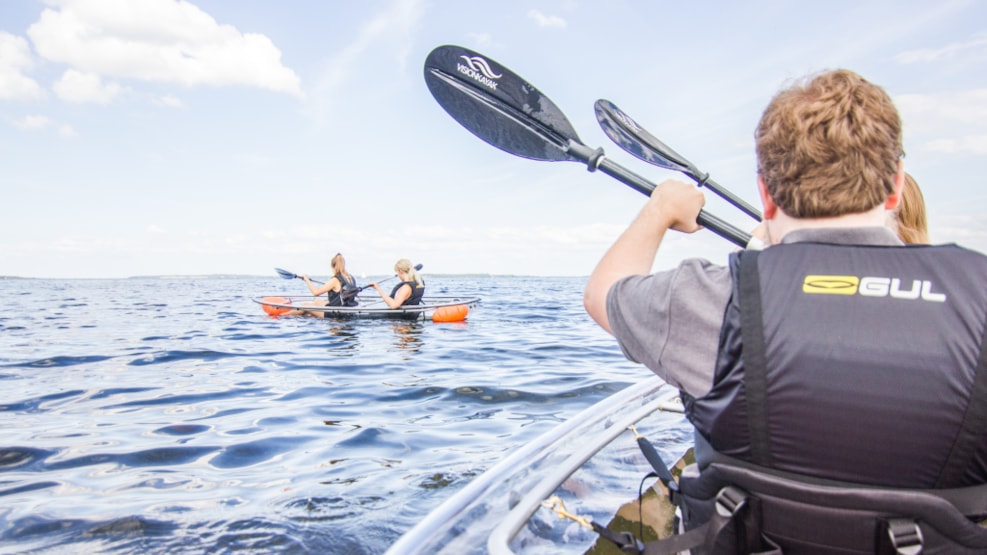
(829, 146)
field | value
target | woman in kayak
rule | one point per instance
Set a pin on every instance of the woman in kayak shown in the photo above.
(409, 291)
(340, 290)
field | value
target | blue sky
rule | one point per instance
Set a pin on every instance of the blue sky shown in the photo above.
(142, 137)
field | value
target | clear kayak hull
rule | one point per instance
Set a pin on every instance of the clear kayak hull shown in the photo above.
(437, 308)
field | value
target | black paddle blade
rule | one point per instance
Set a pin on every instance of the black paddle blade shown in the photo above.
(636, 140)
(285, 273)
(288, 275)
(497, 106)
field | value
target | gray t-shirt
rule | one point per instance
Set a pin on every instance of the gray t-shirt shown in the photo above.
(670, 321)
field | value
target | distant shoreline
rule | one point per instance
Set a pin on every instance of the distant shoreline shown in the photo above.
(250, 276)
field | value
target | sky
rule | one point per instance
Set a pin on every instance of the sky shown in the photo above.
(174, 137)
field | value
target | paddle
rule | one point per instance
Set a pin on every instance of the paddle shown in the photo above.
(288, 275)
(639, 142)
(505, 111)
(418, 268)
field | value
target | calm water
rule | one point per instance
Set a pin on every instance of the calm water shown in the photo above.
(173, 415)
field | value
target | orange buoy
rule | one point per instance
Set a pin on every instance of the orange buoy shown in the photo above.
(275, 310)
(454, 313)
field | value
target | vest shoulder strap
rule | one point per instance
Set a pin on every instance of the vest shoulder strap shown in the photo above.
(755, 359)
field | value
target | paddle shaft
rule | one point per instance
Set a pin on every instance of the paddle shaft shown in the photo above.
(418, 268)
(595, 160)
(744, 206)
(377, 282)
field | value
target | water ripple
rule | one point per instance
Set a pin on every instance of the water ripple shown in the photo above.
(194, 423)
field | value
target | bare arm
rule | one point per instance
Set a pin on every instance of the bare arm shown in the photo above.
(673, 205)
(331, 285)
(400, 296)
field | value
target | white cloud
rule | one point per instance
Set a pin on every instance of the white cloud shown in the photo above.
(170, 41)
(33, 122)
(171, 101)
(480, 40)
(516, 239)
(957, 225)
(954, 122)
(78, 87)
(155, 229)
(15, 58)
(971, 144)
(969, 107)
(938, 54)
(543, 20)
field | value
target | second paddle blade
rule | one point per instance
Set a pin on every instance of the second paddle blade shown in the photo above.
(636, 140)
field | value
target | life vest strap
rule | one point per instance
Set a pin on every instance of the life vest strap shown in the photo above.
(734, 509)
(899, 536)
(755, 359)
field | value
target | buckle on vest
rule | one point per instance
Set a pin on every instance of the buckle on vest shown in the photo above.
(905, 535)
(730, 500)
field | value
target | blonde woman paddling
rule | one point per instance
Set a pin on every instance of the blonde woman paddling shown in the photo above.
(340, 290)
(408, 292)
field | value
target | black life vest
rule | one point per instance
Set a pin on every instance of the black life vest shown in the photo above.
(417, 291)
(347, 292)
(849, 407)
(854, 363)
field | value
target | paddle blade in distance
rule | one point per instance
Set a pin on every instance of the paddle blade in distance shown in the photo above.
(630, 136)
(285, 273)
(496, 105)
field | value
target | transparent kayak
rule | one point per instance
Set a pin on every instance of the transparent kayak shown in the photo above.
(503, 511)
(447, 308)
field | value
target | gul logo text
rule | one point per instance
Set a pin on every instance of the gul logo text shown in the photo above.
(871, 287)
(478, 69)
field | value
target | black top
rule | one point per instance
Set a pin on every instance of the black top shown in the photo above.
(347, 292)
(416, 292)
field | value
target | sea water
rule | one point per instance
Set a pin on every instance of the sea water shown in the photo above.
(172, 415)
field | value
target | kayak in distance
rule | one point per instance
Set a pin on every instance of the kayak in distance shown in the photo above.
(447, 308)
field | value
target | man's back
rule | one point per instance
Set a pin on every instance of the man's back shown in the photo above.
(868, 359)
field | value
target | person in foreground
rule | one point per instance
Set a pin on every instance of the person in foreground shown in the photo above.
(835, 353)
(340, 289)
(409, 291)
